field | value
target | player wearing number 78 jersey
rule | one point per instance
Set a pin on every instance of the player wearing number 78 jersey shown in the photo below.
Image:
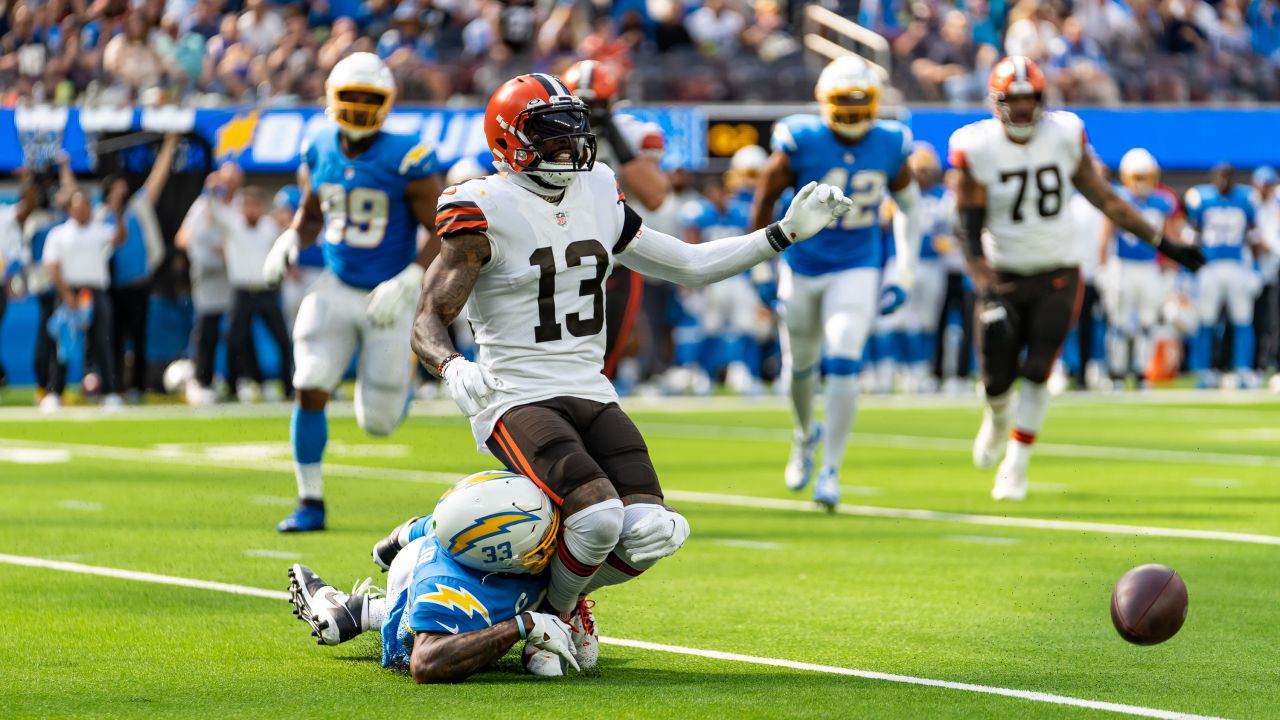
(1017, 172)
(364, 194)
(830, 289)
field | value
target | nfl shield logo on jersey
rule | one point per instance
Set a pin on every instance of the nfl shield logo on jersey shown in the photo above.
(561, 219)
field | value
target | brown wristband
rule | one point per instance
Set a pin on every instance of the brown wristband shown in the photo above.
(447, 359)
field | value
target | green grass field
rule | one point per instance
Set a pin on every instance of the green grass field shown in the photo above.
(947, 595)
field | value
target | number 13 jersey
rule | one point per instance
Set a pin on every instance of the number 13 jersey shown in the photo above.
(1028, 229)
(538, 306)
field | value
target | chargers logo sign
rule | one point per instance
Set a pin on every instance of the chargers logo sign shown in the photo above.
(487, 527)
(456, 599)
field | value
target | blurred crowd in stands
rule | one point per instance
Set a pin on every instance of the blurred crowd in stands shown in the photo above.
(211, 52)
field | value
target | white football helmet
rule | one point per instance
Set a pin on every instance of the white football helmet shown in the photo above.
(496, 521)
(359, 94)
(465, 169)
(745, 167)
(849, 92)
(1139, 172)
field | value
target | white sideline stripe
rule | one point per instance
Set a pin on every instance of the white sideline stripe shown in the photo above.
(748, 544)
(704, 498)
(984, 539)
(642, 645)
(919, 442)
(273, 554)
(80, 505)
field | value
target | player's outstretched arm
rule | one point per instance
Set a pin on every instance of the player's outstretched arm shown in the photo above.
(906, 227)
(440, 658)
(668, 258)
(301, 233)
(775, 179)
(446, 287)
(1100, 194)
(971, 207)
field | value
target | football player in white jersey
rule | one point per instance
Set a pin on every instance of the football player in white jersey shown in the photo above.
(365, 192)
(1017, 170)
(527, 252)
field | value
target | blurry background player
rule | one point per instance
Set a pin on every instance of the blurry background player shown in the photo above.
(727, 310)
(462, 586)
(1266, 315)
(633, 150)
(368, 191)
(1018, 168)
(1137, 285)
(310, 266)
(1084, 351)
(1223, 216)
(829, 288)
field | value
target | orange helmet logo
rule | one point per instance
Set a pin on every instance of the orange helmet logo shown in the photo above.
(1015, 75)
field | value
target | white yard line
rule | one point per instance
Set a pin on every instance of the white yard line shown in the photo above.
(143, 455)
(1031, 695)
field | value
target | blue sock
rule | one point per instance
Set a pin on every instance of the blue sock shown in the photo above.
(420, 528)
(1201, 349)
(309, 433)
(1242, 347)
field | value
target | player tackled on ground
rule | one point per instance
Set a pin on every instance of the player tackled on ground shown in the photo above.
(527, 252)
(460, 586)
(1023, 256)
(368, 190)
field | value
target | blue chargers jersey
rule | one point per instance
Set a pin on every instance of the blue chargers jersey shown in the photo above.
(370, 233)
(935, 220)
(445, 596)
(714, 223)
(1223, 220)
(1156, 209)
(863, 170)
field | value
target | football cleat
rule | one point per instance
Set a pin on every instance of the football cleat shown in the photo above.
(335, 617)
(992, 439)
(800, 467)
(385, 551)
(302, 519)
(826, 492)
(1011, 482)
(586, 639)
(543, 663)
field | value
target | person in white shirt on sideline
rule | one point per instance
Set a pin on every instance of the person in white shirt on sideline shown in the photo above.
(77, 255)
(249, 238)
(1267, 307)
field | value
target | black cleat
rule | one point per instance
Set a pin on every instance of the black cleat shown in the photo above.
(334, 616)
(386, 550)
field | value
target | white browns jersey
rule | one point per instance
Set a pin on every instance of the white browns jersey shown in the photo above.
(538, 307)
(1029, 226)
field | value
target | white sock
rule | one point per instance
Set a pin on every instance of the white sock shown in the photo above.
(841, 411)
(375, 613)
(310, 480)
(1000, 407)
(1018, 453)
(589, 535)
(802, 391)
(1033, 405)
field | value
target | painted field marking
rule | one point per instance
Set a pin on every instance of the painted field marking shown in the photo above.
(1219, 483)
(80, 505)
(704, 498)
(274, 554)
(273, 500)
(34, 456)
(748, 544)
(1031, 695)
(983, 539)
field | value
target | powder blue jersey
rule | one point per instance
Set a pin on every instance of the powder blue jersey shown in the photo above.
(446, 596)
(713, 223)
(1156, 209)
(1223, 220)
(370, 233)
(862, 170)
(937, 208)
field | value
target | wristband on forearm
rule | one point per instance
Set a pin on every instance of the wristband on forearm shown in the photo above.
(777, 238)
(447, 359)
(524, 635)
(970, 229)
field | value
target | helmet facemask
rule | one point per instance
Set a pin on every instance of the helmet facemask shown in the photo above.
(1018, 124)
(359, 111)
(558, 143)
(850, 111)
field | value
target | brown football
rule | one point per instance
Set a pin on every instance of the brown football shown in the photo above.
(1149, 604)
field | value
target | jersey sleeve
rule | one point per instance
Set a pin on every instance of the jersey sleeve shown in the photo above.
(1192, 203)
(1074, 139)
(692, 214)
(960, 149)
(787, 134)
(905, 146)
(309, 149)
(1249, 204)
(458, 213)
(644, 138)
(445, 604)
(418, 161)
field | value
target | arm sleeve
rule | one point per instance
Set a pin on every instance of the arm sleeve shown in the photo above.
(667, 258)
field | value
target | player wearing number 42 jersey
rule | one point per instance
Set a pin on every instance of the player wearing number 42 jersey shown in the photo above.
(364, 194)
(527, 251)
(1017, 170)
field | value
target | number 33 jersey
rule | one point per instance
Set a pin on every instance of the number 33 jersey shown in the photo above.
(538, 307)
(1029, 229)
(370, 233)
(863, 170)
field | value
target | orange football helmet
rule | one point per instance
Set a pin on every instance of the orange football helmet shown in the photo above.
(1013, 79)
(537, 127)
(593, 82)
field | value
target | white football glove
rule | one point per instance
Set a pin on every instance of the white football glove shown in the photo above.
(550, 633)
(283, 253)
(469, 385)
(660, 534)
(812, 209)
(391, 299)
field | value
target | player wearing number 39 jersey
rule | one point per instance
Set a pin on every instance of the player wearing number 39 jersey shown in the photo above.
(831, 288)
(527, 251)
(364, 194)
(1017, 172)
